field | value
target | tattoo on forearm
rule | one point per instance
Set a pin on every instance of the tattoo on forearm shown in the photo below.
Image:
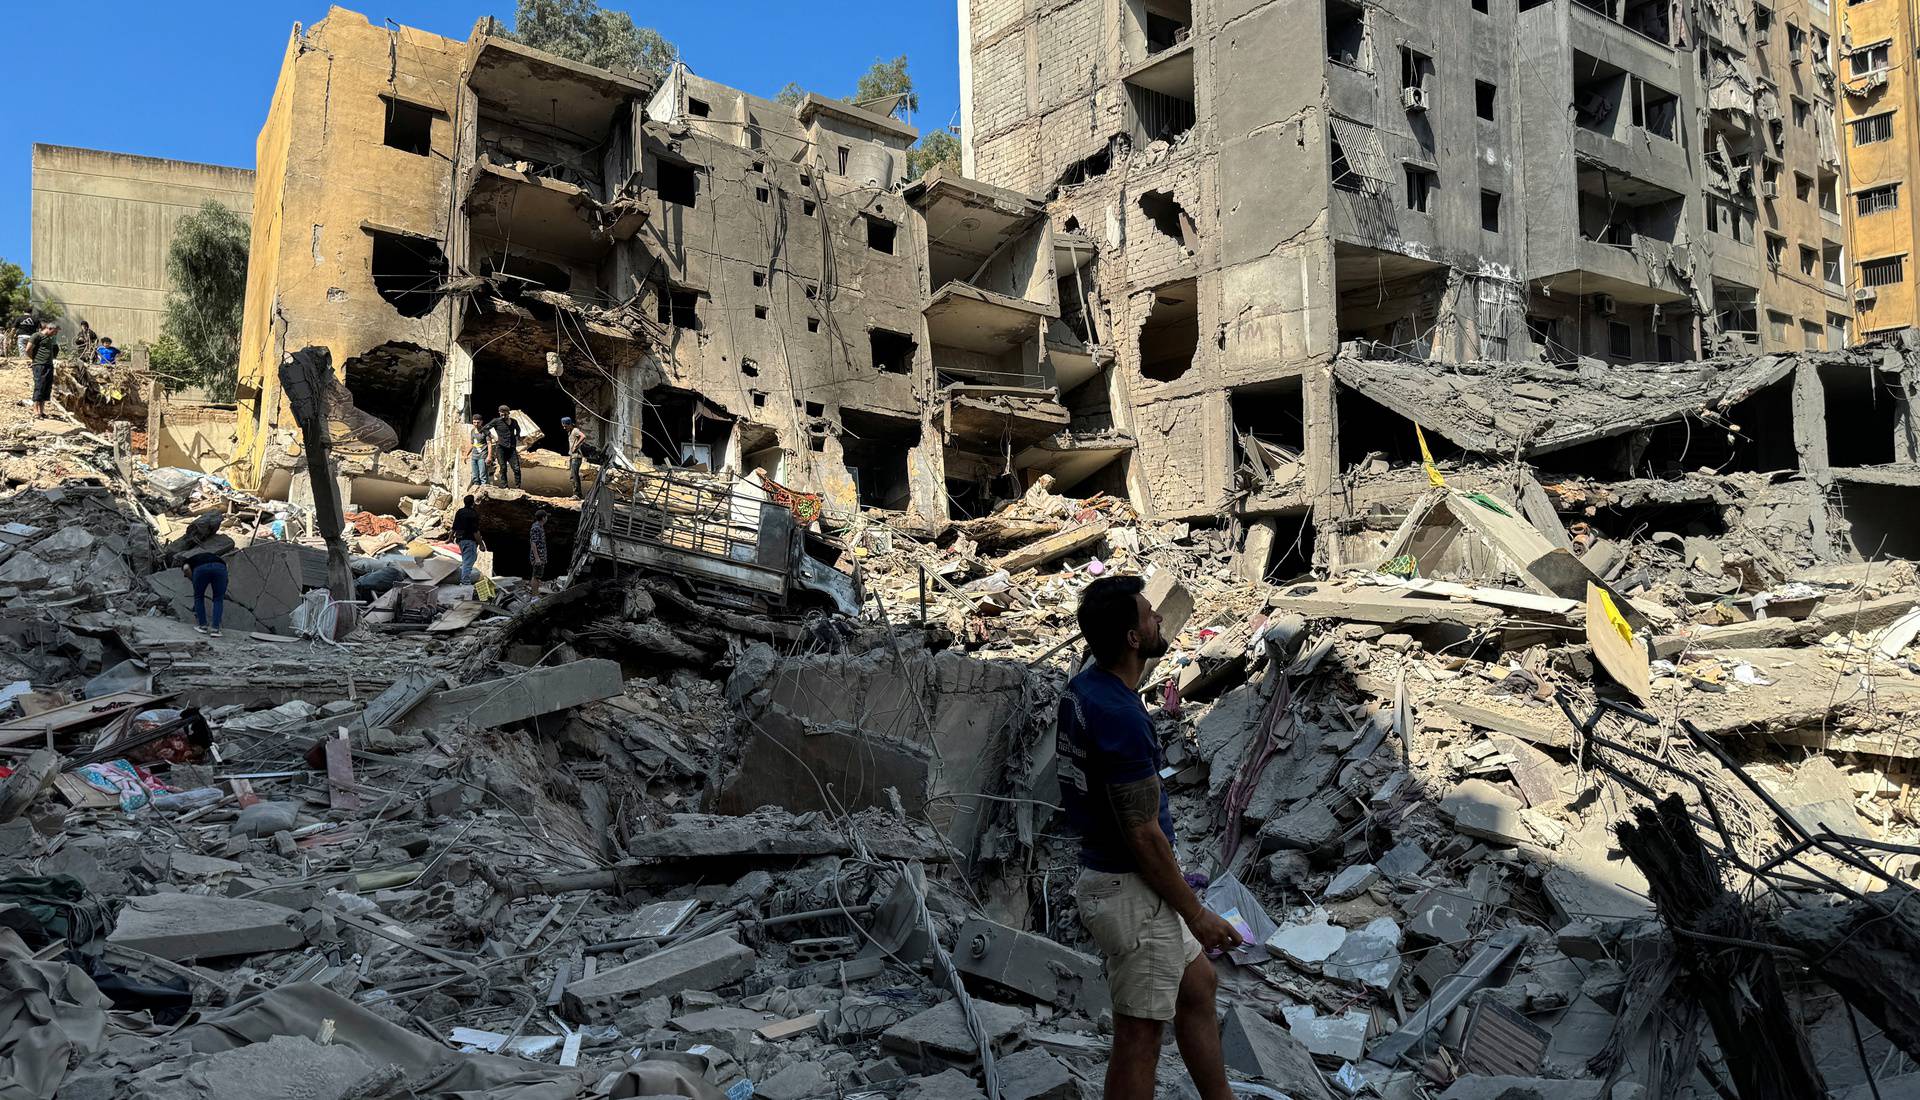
(1136, 803)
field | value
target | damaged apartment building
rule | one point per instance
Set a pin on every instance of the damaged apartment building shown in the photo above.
(1607, 182)
(697, 276)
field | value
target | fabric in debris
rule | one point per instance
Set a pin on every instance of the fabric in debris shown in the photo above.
(120, 779)
(46, 908)
(51, 1016)
(432, 1070)
(1237, 905)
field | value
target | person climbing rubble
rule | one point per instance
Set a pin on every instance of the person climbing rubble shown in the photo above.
(1133, 898)
(208, 572)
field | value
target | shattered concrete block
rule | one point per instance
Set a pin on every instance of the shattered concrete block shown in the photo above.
(1442, 916)
(1035, 1075)
(802, 1080)
(948, 1085)
(1033, 965)
(189, 926)
(1263, 1050)
(1352, 882)
(1403, 860)
(1343, 1036)
(285, 1066)
(1370, 956)
(1480, 809)
(702, 964)
(1310, 828)
(1288, 868)
(1309, 944)
(939, 1037)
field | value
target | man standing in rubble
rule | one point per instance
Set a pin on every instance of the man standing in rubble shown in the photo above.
(537, 551)
(1134, 901)
(466, 535)
(505, 431)
(42, 350)
(576, 452)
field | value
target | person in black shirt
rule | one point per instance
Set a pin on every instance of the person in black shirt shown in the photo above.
(43, 349)
(506, 446)
(208, 573)
(466, 534)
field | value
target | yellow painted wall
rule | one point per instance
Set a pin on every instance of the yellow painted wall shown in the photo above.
(1890, 233)
(323, 176)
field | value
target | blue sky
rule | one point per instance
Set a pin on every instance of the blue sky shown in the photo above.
(192, 81)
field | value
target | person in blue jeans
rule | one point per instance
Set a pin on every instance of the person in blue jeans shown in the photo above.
(209, 574)
(477, 449)
(466, 535)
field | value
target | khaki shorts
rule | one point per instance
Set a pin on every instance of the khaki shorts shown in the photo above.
(1146, 944)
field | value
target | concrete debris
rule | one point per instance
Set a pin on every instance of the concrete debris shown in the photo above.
(703, 800)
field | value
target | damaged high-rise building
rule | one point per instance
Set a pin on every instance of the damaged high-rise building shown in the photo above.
(696, 275)
(1262, 183)
(1880, 96)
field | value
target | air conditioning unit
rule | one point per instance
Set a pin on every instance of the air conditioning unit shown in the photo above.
(1866, 296)
(1762, 37)
(1413, 99)
(1770, 189)
(1606, 305)
(1795, 60)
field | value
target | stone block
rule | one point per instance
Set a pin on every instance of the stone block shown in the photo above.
(1264, 1051)
(803, 1080)
(948, 1085)
(1310, 944)
(189, 926)
(939, 1038)
(1479, 809)
(1404, 860)
(1035, 1075)
(1370, 956)
(702, 964)
(1352, 882)
(1343, 1036)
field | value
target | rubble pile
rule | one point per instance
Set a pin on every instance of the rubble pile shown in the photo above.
(640, 836)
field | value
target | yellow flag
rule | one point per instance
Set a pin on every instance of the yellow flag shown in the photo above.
(1614, 617)
(1426, 459)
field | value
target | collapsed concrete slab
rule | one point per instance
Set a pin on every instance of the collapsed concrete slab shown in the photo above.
(516, 698)
(264, 584)
(705, 963)
(1263, 1050)
(938, 1038)
(190, 926)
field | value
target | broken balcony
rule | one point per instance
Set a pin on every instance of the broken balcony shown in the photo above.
(576, 104)
(1160, 91)
(547, 215)
(1625, 244)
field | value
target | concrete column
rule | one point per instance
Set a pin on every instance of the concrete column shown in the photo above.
(1810, 422)
(1322, 457)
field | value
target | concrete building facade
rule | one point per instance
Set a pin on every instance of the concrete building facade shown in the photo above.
(694, 274)
(1261, 183)
(1881, 103)
(102, 225)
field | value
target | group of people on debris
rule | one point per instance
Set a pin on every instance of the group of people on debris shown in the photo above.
(38, 342)
(467, 536)
(493, 450)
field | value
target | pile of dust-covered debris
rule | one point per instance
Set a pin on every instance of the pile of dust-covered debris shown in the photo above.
(624, 841)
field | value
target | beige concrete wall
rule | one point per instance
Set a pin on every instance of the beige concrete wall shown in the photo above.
(102, 224)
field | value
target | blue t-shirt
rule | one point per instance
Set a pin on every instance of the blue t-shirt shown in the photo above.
(1104, 737)
(107, 355)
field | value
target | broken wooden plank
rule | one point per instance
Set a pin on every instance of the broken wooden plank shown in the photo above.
(75, 716)
(1622, 655)
(342, 792)
(1052, 546)
(458, 617)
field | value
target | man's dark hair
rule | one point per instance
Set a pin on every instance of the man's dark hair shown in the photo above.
(469, 501)
(1107, 612)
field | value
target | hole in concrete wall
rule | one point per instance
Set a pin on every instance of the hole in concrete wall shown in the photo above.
(1273, 413)
(1347, 34)
(1863, 415)
(408, 272)
(892, 351)
(880, 234)
(400, 384)
(759, 313)
(1880, 518)
(409, 126)
(699, 108)
(1158, 116)
(759, 278)
(763, 194)
(1171, 336)
(1165, 23)
(759, 398)
(876, 449)
(814, 408)
(1623, 522)
(1423, 184)
(1756, 438)
(679, 308)
(1484, 95)
(683, 429)
(524, 384)
(813, 324)
(1290, 558)
(1169, 217)
(749, 368)
(1490, 211)
(1368, 428)
(807, 207)
(676, 182)
(1091, 166)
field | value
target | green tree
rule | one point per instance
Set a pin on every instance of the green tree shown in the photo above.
(207, 267)
(590, 34)
(791, 95)
(939, 149)
(887, 78)
(16, 291)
